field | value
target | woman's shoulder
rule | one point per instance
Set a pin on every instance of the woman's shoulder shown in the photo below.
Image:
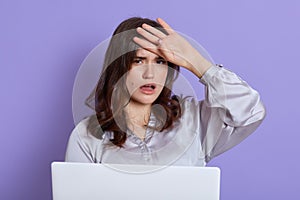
(190, 111)
(189, 102)
(85, 142)
(89, 127)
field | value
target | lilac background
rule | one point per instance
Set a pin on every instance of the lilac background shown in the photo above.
(42, 44)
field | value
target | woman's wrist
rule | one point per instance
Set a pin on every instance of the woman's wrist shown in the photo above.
(198, 64)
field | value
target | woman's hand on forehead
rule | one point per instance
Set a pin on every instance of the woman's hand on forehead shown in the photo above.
(172, 47)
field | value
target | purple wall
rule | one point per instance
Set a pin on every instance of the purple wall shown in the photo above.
(42, 45)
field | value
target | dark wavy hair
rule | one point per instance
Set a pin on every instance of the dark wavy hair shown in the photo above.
(111, 95)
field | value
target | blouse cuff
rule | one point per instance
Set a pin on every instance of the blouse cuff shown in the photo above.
(207, 76)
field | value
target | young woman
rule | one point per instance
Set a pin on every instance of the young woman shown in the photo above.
(139, 121)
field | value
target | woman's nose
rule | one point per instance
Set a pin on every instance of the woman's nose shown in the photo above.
(149, 72)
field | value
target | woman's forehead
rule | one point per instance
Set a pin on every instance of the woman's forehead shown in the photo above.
(145, 53)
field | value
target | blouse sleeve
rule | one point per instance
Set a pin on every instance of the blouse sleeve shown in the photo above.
(231, 111)
(77, 151)
(83, 146)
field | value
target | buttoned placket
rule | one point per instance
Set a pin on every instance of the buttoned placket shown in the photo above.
(144, 144)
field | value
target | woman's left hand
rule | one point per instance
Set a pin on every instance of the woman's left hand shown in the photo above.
(172, 47)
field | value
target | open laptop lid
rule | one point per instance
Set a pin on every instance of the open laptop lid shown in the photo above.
(77, 181)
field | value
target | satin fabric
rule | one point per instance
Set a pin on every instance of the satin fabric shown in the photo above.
(230, 112)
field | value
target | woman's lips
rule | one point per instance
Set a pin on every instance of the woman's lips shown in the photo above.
(148, 88)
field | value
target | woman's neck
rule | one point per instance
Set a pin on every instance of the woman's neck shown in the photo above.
(137, 118)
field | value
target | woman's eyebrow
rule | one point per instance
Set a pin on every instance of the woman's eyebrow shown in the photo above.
(144, 58)
(140, 57)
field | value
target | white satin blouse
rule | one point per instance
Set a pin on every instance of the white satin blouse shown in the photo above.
(230, 112)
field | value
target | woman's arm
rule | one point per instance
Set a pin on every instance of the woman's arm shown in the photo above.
(231, 110)
(77, 151)
(83, 146)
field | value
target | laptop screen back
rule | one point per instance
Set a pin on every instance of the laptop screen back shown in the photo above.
(77, 181)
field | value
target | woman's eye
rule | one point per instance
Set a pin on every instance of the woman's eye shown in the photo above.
(161, 61)
(138, 61)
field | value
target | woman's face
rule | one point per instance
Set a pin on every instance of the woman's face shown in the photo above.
(147, 76)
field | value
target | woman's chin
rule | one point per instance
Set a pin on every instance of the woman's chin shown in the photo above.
(148, 100)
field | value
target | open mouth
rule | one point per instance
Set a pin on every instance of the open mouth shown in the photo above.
(148, 88)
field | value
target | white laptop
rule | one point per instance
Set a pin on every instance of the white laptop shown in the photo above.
(87, 181)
